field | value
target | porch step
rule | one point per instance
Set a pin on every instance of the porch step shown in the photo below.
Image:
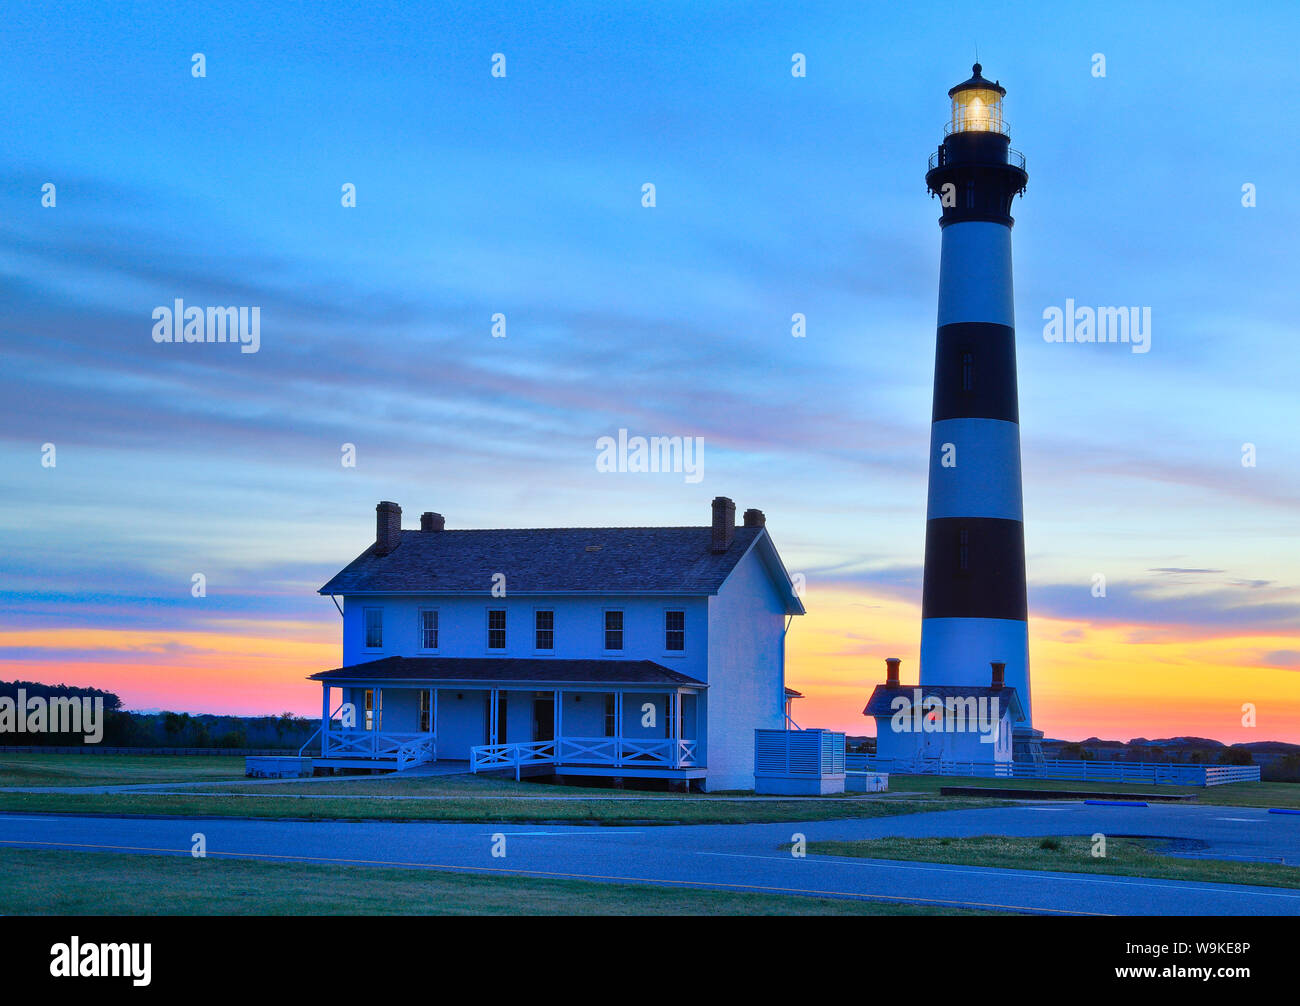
(384, 764)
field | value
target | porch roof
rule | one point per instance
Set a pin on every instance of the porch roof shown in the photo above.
(498, 670)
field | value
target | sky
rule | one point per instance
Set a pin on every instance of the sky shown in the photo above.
(522, 195)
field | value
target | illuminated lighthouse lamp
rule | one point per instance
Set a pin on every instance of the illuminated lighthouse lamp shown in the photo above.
(977, 106)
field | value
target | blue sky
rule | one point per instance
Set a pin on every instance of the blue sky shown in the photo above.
(522, 195)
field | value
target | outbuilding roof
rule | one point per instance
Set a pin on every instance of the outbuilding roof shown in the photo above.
(881, 701)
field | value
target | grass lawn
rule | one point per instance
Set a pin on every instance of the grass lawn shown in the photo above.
(39, 769)
(421, 798)
(1236, 794)
(36, 882)
(1129, 857)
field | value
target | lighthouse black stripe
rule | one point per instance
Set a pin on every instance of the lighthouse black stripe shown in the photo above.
(975, 372)
(974, 568)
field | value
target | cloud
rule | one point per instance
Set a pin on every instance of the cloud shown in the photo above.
(1153, 608)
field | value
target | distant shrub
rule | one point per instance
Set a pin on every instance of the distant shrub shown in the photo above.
(1285, 769)
(1050, 844)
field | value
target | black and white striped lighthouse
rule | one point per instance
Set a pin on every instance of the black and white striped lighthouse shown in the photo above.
(973, 600)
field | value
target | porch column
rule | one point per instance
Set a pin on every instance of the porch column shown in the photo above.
(558, 703)
(492, 727)
(433, 722)
(324, 718)
(677, 728)
(618, 728)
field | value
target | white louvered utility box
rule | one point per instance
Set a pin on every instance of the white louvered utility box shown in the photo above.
(797, 762)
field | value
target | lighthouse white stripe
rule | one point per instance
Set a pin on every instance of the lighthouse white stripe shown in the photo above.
(984, 480)
(957, 651)
(975, 274)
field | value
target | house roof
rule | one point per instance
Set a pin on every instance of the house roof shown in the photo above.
(790, 693)
(881, 699)
(562, 560)
(539, 670)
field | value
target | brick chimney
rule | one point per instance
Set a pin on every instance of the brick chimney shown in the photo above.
(755, 518)
(724, 523)
(891, 672)
(999, 673)
(388, 527)
(430, 521)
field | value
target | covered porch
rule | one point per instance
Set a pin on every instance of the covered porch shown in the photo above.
(631, 719)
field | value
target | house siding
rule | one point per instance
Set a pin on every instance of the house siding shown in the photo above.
(579, 628)
(962, 746)
(746, 671)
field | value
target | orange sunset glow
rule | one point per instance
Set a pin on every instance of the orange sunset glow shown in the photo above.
(1088, 680)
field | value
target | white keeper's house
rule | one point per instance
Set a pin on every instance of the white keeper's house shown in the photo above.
(627, 652)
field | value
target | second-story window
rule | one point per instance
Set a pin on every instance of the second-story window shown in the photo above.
(496, 628)
(428, 630)
(613, 630)
(545, 624)
(374, 628)
(674, 630)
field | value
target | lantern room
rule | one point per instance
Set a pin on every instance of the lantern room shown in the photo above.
(977, 106)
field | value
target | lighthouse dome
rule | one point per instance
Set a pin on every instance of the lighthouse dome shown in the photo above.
(978, 82)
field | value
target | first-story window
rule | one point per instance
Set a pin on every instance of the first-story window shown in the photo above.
(613, 630)
(611, 716)
(967, 371)
(429, 630)
(545, 630)
(963, 550)
(372, 709)
(674, 630)
(496, 628)
(374, 628)
(426, 710)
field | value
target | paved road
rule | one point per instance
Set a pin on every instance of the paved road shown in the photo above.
(744, 857)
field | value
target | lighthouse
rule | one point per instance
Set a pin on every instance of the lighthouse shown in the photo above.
(974, 607)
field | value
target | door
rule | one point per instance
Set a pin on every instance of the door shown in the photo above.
(543, 719)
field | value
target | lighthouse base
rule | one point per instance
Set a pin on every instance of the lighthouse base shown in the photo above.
(1027, 745)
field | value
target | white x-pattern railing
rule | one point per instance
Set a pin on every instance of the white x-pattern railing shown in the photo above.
(406, 749)
(614, 751)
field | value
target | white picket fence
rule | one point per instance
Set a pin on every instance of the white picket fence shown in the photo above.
(1154, 773)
